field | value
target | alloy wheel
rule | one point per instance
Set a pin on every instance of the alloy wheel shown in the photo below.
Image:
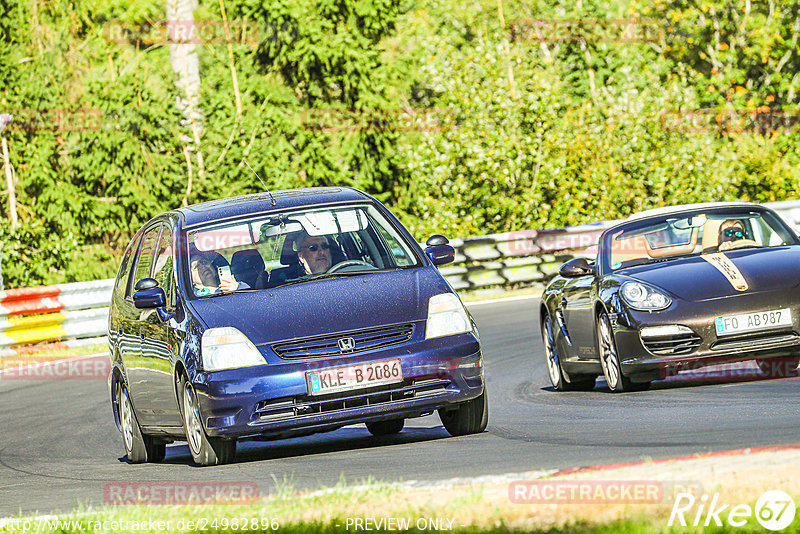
(551, 354)
(608, 353)
(194, 432)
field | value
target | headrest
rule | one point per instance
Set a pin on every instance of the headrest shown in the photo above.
(246, 260)
(288, 254)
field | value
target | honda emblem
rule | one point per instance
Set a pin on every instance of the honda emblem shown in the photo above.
(346, 344)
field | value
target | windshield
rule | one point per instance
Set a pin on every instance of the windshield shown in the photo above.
(691, 233)
(292, 247)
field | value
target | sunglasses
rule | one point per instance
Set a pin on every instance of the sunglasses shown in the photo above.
(734, 232)
(314, 248)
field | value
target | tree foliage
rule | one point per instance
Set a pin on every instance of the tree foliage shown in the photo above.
(459, 122)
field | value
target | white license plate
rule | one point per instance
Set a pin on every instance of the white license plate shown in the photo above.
(752, 322)
(350, 377)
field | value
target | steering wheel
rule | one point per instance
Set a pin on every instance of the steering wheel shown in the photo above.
(349, 263)
(742, 243)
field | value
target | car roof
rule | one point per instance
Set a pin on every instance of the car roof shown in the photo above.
(234, 207)
(666, 210)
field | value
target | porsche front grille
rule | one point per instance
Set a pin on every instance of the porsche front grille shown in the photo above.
(328, 345)
(670, 341)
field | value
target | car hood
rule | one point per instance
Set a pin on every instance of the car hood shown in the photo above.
(695, 279)
(327, 306)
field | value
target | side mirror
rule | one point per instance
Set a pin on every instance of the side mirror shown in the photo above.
(576, 267)
(437, 239)
(148, 295)
(439, 250)
(146, 283)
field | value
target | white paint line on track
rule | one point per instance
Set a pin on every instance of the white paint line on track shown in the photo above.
(502, 299)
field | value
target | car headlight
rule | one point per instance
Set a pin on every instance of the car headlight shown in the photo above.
(641, 297)
(228, 348)
(446, 316)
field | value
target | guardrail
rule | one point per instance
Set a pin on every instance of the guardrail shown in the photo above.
(51, 313)
(79, 311)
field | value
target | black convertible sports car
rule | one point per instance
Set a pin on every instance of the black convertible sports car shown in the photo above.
(676, 288)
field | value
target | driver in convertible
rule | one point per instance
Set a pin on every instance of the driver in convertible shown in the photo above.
(314, 252)
(730, 231)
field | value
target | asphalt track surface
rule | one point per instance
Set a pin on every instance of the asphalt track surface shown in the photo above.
(59, 447)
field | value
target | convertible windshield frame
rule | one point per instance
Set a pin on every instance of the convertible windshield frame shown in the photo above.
(639, 230)
(387, 240)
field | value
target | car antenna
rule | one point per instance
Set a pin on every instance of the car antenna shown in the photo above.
(262, 182)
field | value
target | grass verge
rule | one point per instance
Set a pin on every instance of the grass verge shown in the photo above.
(484, 506)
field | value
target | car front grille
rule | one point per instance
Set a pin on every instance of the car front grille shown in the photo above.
(754, 342)
(672, 345)
(328, 345)
(276, 410)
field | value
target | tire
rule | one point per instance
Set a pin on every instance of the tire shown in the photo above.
(385, 428)
(779, 367)
(139, 448)
(469, 417)
(609, 359)
(557, 376)
(205, 450)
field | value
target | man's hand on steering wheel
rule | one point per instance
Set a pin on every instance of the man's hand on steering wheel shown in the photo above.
(349, 263)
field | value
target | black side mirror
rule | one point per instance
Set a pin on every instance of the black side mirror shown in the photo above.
(439, 250)
(437, 239)
(576, 267)
(146, 283)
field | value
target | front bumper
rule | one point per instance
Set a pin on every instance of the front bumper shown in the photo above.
(272, 401)
(638, 357)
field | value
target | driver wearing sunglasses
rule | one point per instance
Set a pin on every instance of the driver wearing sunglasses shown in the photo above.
(730, 231)
(314, 253)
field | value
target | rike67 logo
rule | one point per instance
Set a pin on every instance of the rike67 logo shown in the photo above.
(774, 510)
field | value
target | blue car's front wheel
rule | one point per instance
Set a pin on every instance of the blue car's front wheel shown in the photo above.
(469, 417)
(205, 450)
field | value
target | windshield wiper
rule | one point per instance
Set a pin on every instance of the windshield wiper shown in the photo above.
(645, 261)
(339, 274)
(221, 293)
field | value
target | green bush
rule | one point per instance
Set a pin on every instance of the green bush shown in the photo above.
(32, 254)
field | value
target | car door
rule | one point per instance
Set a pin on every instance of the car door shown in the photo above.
(158, 357)
(577, 305)
(130, 346)
(150, 368)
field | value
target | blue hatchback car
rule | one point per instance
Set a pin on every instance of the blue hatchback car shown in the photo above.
(277, 315)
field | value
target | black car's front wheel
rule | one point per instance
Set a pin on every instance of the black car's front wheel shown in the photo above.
(609, 359)
(557, 376)
(205, 450)
(139, 447)
(469, 417)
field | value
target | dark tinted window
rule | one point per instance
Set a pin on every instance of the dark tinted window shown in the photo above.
(144, 261)
(162, 268)
(125, 267)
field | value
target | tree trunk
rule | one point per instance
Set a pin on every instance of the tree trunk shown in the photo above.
(185, 63)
